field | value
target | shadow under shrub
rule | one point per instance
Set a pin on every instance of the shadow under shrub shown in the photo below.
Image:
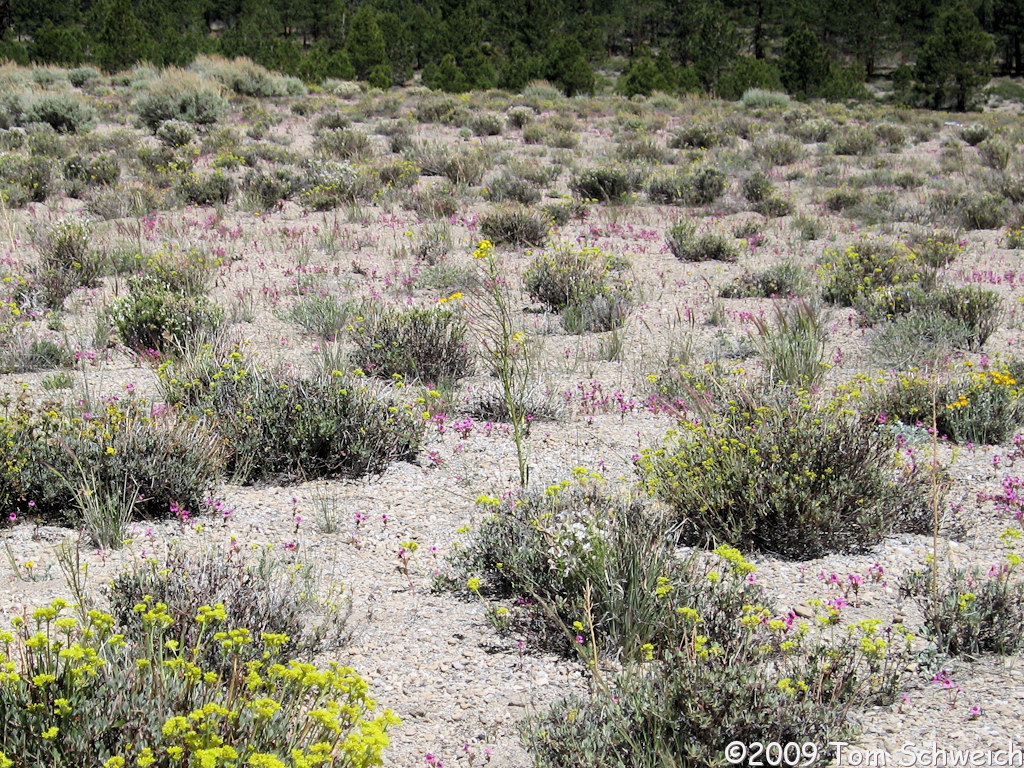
(291, 429)
(785, 476)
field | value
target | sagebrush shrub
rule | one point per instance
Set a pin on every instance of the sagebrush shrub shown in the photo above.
(785, 477)
(263, 593)
(180, 95)
(516, 225)
(64, 112)
(426, 345)
(686, 245)
(289, 428)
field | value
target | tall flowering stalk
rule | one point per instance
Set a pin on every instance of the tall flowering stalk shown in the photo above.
(505, 349)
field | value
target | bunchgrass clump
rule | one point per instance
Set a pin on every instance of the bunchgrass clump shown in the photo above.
(323, 315)
(792, 348)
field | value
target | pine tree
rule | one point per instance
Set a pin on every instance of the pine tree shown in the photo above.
(365, 43)
(957, 59)
(804, 63)
(122, 40)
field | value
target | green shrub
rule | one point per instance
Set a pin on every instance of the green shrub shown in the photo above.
(67, 260)
(983, 211)
(918, 338)
(581, 285)
(102, 170)
(64, 112)
(682, 188)
(854, 140)
(208, 189)
(699, 135)
(518, 226)
(778, 150)
(509, 187)
(343, 143)
(611, 184)
(787, 478)
(293, 429)
(644, 150)
(328, 184)
(757, 187)
(20, 355)
(51, 452)
(118, 703)
(773, 207)
(438, 201)
(977, 309)
(247, 78)
(267, 595)
(972, 611)
(25, 179)
(425, 345)
(780, 280)
(264, 191)
(154, 317)
(842, 198)
(995, 154)
(975, 133)
(83, 76)
(865, 268)
(486, 124)
(686, 245)
(180, 95)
